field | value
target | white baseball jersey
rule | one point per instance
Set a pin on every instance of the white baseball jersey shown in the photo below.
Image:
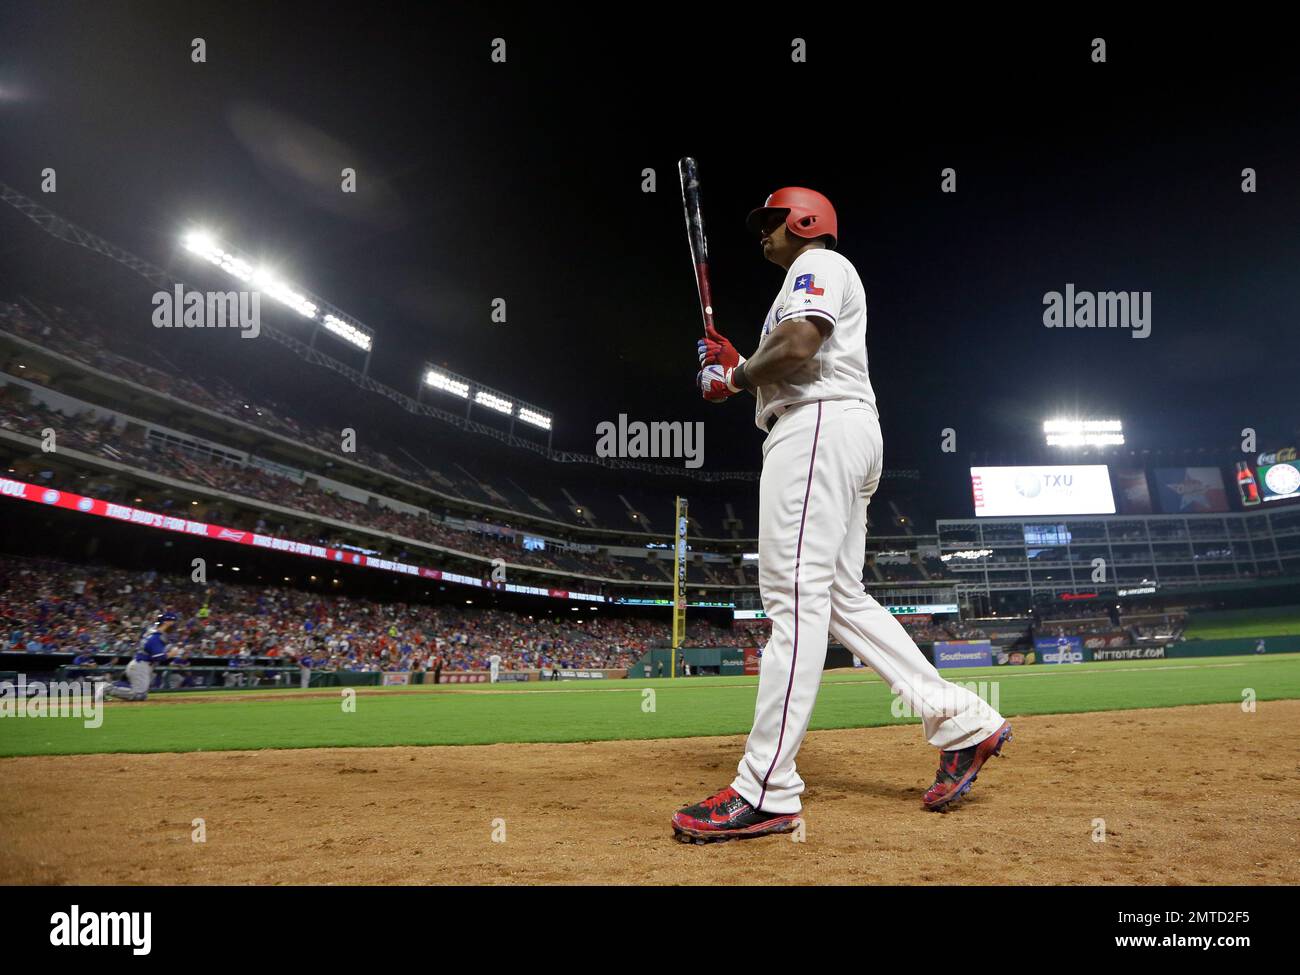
(823, 283)
(821, 466)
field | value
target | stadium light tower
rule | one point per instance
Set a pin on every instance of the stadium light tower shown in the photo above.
(1083, 433)
(446, 383)
(204, 245)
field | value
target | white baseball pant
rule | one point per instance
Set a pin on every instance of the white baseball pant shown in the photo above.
(139, 675)
(821, 465)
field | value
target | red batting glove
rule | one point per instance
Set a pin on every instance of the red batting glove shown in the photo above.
(716, 349)
(715, 383)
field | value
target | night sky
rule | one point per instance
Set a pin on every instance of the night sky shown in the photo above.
(523, 181)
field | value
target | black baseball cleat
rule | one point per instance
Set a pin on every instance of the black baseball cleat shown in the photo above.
(959, 769)
(727, 816)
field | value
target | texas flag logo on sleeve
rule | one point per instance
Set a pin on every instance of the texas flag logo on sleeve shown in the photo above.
(804, 282)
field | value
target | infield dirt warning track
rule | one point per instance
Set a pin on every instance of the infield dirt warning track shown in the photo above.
(1208, 794)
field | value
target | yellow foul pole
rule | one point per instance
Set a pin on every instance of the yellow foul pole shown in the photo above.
(679, 584)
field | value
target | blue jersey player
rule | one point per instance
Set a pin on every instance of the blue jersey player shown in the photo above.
(139, 672)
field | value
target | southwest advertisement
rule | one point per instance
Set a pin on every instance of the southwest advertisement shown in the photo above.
(963, 653)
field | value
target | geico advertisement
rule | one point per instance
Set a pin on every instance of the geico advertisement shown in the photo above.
(1057, 490)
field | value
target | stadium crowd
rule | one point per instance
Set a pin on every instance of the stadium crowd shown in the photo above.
(98, 437)
(82, 338)
(54, 607)
(928, 632)
(1165, 628)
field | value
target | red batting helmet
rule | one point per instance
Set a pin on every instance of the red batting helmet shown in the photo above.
(807, 213)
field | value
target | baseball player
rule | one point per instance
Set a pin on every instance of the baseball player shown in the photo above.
(139, 672)
(821, 465)
(494, 668)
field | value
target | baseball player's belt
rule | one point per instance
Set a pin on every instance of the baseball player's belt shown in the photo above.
(777, 413)
(781, 411)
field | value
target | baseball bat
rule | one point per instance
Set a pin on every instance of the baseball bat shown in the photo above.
(689, 171)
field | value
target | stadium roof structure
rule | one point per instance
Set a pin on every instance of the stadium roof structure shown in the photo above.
(63, 229)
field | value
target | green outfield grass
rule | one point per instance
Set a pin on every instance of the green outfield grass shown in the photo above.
(1234, 624)
(571, 711)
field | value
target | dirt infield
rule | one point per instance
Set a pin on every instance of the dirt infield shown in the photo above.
(1192, 795)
